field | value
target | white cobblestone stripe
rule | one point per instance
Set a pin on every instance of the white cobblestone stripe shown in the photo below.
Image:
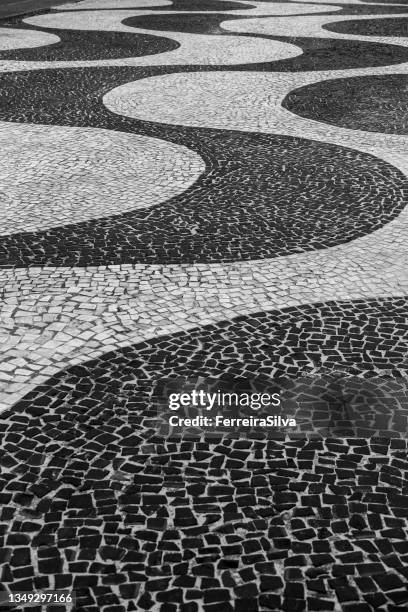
(195, 49)
(249, 102)
(56, 316)
(252, 243)
(203, 49)
(313, 26)
(247, 7)
(63, 315)
(68, 175)
(13, 38)
(113, 4)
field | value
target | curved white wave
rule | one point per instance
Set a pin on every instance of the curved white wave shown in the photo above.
(248, 7)
(310, 26)
(283, 8)
(195, 49)
(247, 101)
(352, 3)
(52, 176)
(54, 316)
(13, 38)
(112, 4)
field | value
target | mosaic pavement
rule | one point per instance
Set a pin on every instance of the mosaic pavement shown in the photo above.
(205, 190)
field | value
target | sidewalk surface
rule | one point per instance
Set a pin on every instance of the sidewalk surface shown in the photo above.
(10, 8)
(205, 197)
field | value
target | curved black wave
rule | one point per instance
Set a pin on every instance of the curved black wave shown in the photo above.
(78, 45)
(261, 195)
(336, 54)
(371, 9)
(386, 1)
(393, 26)
(360, 338)
(215, 5)
(92, 495)
(195, 23)
(202, 5)
(192, 24)
(210, 24)
(375, 103)
(318, 53)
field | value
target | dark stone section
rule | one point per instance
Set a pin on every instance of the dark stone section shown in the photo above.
(386, 1)
(373, 9)
(395, 26)
(201, 5)
(14, 8)
(243, 207)
(198, 23)
(88, 45)
(337, 54)
(375, 103)
(19, 7)
(318, 53)
(216, 5)
(94, 500)
(211, 23)
(355, 338)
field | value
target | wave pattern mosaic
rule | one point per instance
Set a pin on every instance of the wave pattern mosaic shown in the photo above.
(205, 190)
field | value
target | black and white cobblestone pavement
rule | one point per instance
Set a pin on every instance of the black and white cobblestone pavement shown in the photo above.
(213, 190)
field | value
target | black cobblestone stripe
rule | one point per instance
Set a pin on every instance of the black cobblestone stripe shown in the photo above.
(386, 1)
(393, 26)
(211, 24)
(242, 208)
(375, 103)
(372, 9)
(358, 338)
(195, 23)
(93, 499)
(318, 53)
(338, 54)
(202, 5)
(87, 45)
(364, 339)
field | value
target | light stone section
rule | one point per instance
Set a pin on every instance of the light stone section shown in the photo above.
(279, 8)
(195, 49)
(311, 26)
(12, 38)
(52, 176)
(248, 8)
(113, 4)
(250, 102)
(361, 2)
(57, 316)
(53, 317)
